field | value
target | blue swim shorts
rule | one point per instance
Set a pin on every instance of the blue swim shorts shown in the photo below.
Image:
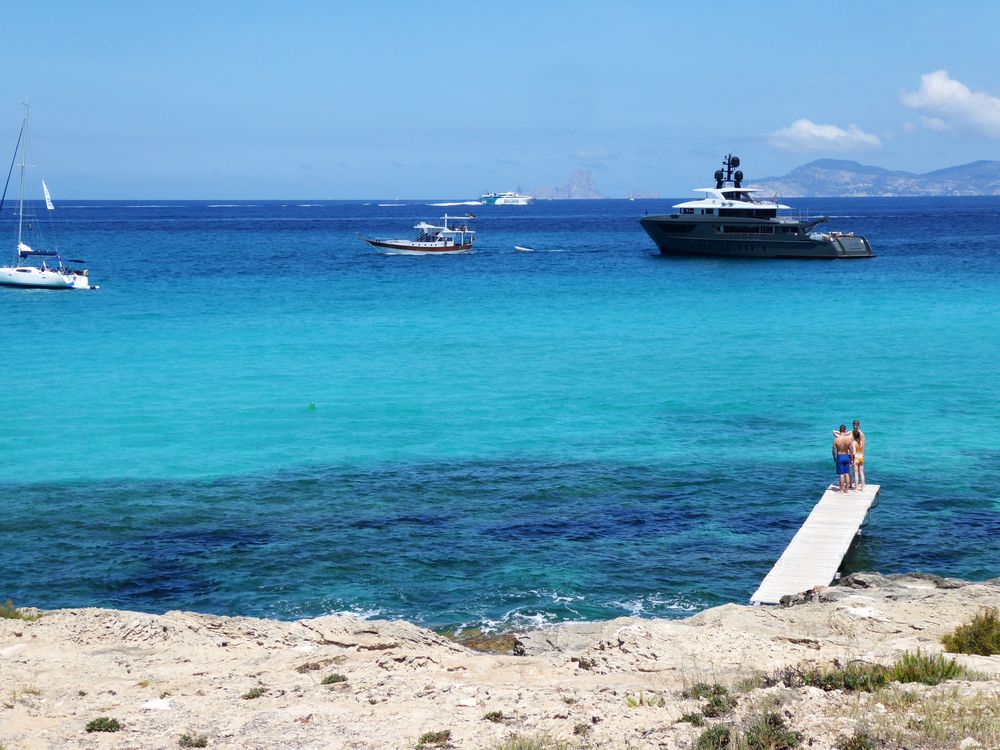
(843, 463)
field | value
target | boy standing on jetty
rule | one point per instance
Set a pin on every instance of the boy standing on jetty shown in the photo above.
(843, 450)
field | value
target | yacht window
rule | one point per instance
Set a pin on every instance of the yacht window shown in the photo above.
(709, 211)
(687, 210)
(23, 270)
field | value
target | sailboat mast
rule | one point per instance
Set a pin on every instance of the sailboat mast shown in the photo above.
(20, 205)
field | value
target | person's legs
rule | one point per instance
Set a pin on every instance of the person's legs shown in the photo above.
(861, 475)
(843, 471)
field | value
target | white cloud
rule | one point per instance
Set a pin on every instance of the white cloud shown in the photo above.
(953, 104)
(806, 135)
(934, 123)
(909, 127)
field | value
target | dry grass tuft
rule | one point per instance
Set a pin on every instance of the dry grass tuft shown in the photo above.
(937, 717)
(9, 612)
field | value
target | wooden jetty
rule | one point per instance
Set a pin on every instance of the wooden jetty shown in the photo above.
(814, 555)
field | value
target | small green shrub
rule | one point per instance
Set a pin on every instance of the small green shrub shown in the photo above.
(980, 635)
(434, 739)
(522, 742)
(104, 724)
(921, 667)
(333, 679)
(860, 740)
(193, 740)
(714, 738)
(581, 729)
(697, 720)
(495, 716)
(749, 684)
(855, 676)
(252, 693)
(858, 676)
(718, 705)
(701, 690)
(769, 732)
(9, 612)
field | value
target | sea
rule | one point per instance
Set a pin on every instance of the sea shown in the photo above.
(258, 414)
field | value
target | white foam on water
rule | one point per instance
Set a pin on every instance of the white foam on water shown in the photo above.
(457, 203)
(654, 603)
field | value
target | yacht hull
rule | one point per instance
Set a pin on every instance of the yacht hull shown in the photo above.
(29, 277)
(790, 241)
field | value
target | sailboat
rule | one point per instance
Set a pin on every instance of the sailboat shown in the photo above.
(50, 271)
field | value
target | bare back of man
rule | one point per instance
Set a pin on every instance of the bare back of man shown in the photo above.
(843, 446)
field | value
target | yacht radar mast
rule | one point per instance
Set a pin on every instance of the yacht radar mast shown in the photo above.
(729, 174)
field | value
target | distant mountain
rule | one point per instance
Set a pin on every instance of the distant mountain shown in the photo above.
(844, 179)
(581, 185)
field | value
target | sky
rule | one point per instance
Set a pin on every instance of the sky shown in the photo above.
(349, 100)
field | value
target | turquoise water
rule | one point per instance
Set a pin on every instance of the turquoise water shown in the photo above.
(498, 438)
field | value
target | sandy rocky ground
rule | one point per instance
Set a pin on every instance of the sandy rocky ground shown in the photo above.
(164, 676)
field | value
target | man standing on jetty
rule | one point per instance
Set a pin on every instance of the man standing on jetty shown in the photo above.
(843, 446)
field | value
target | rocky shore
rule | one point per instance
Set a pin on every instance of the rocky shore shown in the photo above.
(190, 680)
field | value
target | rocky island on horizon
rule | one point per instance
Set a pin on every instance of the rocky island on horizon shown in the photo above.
(580, 186)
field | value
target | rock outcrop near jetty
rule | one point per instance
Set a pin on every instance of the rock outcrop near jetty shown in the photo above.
(234, 682)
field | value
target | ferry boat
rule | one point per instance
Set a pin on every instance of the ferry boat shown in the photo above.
(732, 221)
(453, 236)
(505, 199)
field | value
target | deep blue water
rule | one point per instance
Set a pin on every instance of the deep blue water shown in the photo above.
(498, 438)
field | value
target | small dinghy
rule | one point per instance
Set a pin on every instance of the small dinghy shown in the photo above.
(522, 249)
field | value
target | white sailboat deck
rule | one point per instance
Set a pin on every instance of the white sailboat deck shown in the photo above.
(817, 549)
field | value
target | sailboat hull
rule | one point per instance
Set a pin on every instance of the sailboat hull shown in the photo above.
(30, 277)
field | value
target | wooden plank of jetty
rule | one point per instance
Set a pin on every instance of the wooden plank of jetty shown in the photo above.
(814, 555)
